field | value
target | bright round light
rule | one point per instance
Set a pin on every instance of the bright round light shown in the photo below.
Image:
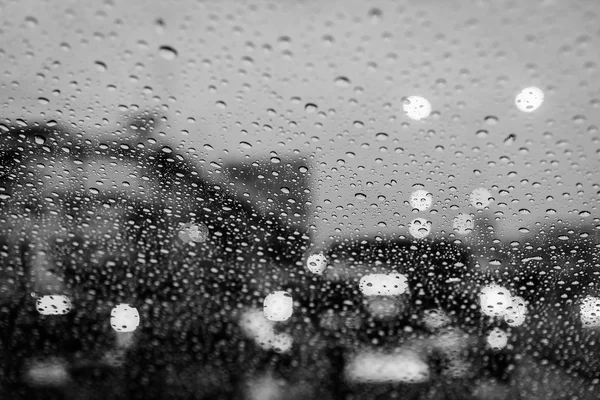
(257, 327)
(590, 312)
(463, 224)
(435, 318)
(494, 300)
(529, 99)
(481, 198)
(124, 318)
(497, 339)
(515, 314)
(278, 306)
(416, 107)
(316, 263)
(193, 232)
(419, 228)
(396, 366)
(282, 342)
(53, 305)
(421, 199)
(383, 284)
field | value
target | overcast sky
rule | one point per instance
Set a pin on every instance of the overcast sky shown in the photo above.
(245, 72)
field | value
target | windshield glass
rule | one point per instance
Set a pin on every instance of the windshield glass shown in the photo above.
(299, 200)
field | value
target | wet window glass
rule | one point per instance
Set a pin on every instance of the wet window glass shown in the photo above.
(266, 200)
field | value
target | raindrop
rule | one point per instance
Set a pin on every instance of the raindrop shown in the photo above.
(491, 120)
(510, 139)
(381, 136)
(31, 22)
(101, 66)
(43, 100)
(360, 196)
(167, 53)
(39, 139)
(310, 107)
(342, 81)
(221, 105)
(375, 15)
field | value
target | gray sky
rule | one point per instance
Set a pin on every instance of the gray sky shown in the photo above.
(93, 61)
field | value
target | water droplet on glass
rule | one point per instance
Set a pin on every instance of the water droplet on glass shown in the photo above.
(375, 14)
(360, 196)
(342, 81)
(310, 107)
(491, 120)
(39, 139)
(167, 53)
(100, 66)
(482, 133)
(381, 136)
(31, 22)
(510, 139)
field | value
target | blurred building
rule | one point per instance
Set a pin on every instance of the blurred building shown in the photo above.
(117, 189)
(279, 187)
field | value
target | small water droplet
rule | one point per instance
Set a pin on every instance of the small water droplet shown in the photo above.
(43, 100)
(221, 105)
(510, 139)
(342, 81)
(491, 120)
(482, 133)
(381, 136)
(245, 145)
(375, 15)
(101, 66)
(167, 53)
(360, 196)
(31, 22)
(310, 107)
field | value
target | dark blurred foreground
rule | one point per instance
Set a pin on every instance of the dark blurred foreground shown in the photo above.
(193, 298)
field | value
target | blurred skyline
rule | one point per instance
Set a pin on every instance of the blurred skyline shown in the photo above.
(258, 81)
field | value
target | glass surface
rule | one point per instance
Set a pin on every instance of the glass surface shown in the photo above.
(299, 200)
